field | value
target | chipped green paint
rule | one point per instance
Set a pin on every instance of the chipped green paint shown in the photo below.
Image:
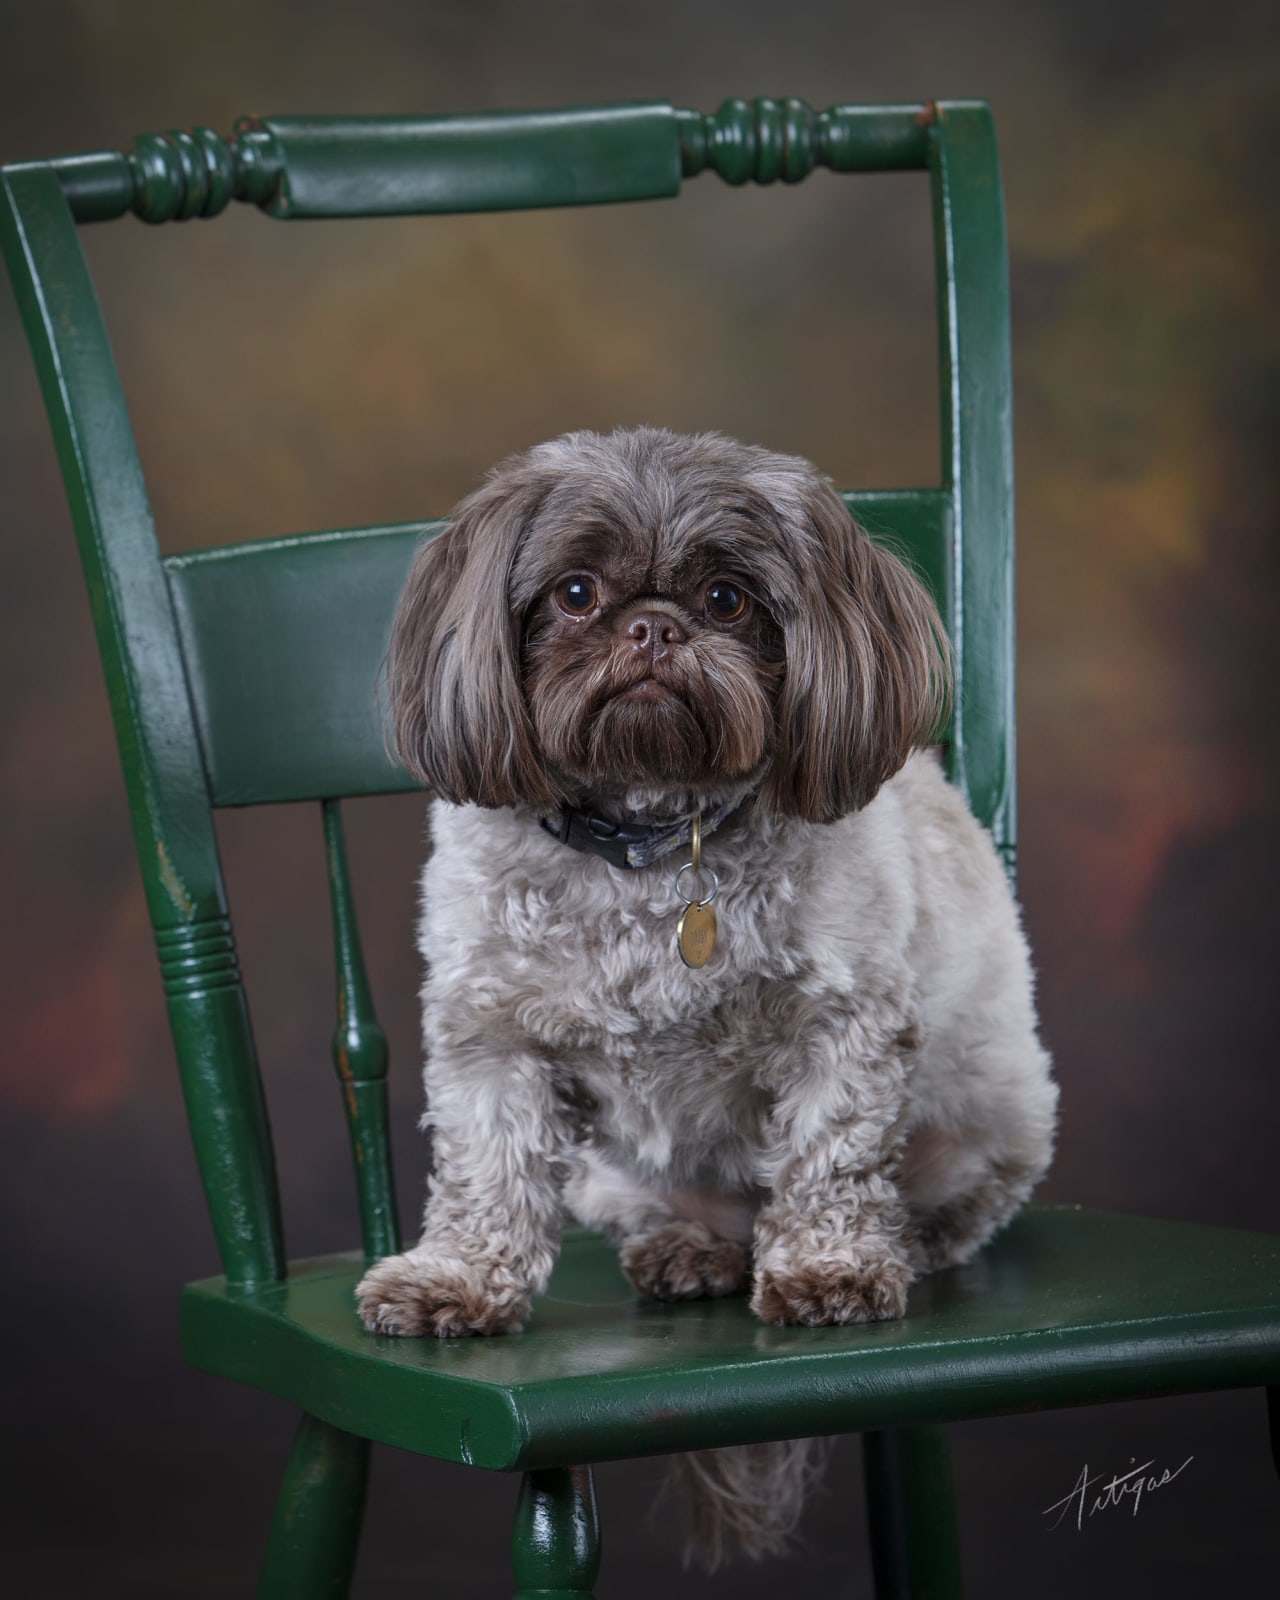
(173, 884)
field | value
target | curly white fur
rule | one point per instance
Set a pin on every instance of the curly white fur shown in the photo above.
(851, 1092)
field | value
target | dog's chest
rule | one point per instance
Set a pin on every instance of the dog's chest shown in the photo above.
(548, 949)
(590, 959)
(671, 1063)
(689, 1100)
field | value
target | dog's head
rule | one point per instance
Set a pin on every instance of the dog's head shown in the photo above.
(648, 611)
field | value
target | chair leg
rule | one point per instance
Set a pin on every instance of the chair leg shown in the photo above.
(915, 1549)
(313, 1541)
(555, 1547)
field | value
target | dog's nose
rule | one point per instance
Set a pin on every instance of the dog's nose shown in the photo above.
(655, 633)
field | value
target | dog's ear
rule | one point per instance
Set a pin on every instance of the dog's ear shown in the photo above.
(867, 664)
(459, 722)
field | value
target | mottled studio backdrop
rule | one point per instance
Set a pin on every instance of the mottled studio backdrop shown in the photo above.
(284, 378)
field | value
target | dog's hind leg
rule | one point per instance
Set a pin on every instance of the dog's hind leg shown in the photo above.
(951, 1220)
(668, 1248)
(952, 1233)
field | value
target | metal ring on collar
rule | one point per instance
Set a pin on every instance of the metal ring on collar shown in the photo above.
(715, 885)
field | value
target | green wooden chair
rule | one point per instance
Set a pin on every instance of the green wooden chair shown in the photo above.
(246, 675)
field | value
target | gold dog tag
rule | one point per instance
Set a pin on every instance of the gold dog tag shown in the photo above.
(696, 934)
(696, 929)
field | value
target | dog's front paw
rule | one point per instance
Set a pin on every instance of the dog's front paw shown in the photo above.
(868, 1285)
(418, 1296)
(684, 1261)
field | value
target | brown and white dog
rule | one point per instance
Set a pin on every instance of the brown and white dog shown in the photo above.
(613, 635)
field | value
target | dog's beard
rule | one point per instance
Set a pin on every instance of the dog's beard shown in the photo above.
(607, 720)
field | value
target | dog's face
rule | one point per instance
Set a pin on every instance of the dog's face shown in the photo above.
(650, 656)
(675, 615)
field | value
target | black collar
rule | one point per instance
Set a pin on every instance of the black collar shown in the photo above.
(630, 845)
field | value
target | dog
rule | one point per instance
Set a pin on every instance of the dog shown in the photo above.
(796, 1055)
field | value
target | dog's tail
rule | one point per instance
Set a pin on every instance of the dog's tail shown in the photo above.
(746, 1498)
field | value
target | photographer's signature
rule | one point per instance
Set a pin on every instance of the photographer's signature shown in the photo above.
(1124, 1488)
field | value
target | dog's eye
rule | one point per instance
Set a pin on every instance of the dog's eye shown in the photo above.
(726, 602)
(577, 595)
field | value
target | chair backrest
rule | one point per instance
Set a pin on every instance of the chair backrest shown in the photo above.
(247, 674)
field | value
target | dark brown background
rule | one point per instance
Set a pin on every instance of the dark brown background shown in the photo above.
(291, 377)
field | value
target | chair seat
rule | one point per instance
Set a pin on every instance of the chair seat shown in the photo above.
(1067, 1306)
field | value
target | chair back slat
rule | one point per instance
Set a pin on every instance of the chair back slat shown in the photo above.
(284, 642)
(360, 1057)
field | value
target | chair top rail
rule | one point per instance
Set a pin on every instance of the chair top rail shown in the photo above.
(303, 166)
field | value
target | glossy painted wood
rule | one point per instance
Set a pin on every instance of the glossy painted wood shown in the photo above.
(312, 1547)
(770, 141)
(915, 1545)
(155, 729)
(360, 1056)
(284, 641)
(976, 384)
(555, 1544)
(1067, 1307)
(391, 166)
(308, 167)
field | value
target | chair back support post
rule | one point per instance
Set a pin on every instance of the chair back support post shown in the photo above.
(360, 1057)
(976, 387)
(155, 730)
